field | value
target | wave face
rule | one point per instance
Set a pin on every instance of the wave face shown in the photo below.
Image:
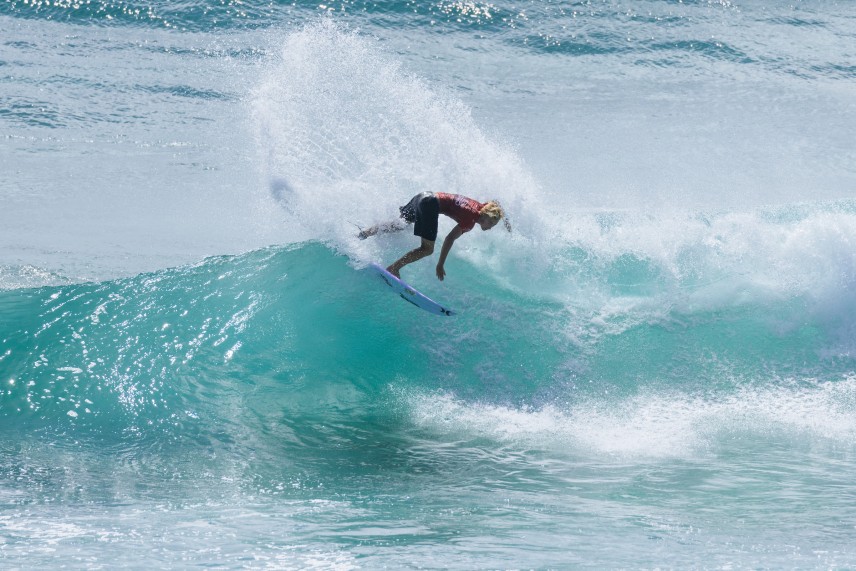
(700, 315)
(196, 368)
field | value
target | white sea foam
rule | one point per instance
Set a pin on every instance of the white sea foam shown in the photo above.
(652, 424)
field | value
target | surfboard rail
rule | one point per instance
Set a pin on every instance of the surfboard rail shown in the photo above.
(409, 293)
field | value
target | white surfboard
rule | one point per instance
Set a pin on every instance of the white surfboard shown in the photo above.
(409, 293)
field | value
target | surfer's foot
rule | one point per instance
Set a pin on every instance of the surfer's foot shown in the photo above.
(394, 272)
(365, 233)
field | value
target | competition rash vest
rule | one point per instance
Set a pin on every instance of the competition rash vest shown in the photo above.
(463, 210)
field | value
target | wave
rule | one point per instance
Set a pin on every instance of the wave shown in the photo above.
(208, 352)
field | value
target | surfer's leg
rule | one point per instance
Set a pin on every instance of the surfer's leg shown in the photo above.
(424, 249)
(427, 211)
(385, 228)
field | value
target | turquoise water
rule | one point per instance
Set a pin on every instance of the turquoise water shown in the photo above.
(654, 370)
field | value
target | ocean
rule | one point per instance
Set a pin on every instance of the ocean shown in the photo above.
(656, 369)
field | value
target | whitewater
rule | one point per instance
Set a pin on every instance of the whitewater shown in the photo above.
(655, 369)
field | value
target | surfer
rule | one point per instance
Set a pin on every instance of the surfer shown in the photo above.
(423, 211)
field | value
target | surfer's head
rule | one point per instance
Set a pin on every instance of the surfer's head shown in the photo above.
(490, 215)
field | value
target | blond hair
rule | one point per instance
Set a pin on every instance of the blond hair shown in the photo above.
(494, 210)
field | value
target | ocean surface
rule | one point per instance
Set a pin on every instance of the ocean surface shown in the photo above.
(655, 369)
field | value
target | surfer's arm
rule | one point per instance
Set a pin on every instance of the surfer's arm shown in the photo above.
(447, 245)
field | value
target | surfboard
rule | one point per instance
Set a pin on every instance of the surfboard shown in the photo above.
(410, 294)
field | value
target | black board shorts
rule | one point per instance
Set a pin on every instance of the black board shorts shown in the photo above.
(423, 211)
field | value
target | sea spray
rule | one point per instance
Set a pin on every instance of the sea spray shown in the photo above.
(352, 135)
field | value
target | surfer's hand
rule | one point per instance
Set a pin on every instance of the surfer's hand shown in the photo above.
(441, 273)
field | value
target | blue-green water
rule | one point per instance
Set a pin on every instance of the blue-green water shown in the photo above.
(654, 370)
